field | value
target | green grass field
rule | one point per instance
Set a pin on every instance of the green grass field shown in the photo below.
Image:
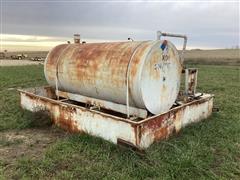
(207, 150)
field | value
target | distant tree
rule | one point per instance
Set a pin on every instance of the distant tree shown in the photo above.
(5, 51)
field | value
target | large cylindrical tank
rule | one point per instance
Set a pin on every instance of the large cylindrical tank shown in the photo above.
(152, 70)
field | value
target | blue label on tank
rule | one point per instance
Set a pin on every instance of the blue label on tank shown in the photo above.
(163, 46)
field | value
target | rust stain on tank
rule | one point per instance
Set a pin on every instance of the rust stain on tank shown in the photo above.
(66, 121)
(161, 133)
(56, 52)
(101, 61)
(154, 123)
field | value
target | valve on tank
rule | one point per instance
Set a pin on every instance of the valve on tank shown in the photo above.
(76, 38)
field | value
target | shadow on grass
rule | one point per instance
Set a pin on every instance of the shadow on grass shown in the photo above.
(38, 119)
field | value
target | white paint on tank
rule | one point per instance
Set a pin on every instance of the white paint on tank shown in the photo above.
(160, 79)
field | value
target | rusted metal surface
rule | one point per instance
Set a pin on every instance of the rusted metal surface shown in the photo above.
(190, 81)
(139, 134)
(129, 73)
(162, 126)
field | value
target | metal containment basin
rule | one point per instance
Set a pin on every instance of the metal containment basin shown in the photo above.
(125, 92)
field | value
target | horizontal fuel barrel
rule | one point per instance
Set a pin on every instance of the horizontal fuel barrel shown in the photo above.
(148, 72)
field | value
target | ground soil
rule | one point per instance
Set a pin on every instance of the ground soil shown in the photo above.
(28, 142)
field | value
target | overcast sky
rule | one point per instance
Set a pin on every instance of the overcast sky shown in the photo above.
(209, 24)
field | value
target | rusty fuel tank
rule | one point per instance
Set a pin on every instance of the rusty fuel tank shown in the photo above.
(145, 73)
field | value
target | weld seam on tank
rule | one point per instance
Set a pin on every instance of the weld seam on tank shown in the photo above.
(127, 77)
(57, 67)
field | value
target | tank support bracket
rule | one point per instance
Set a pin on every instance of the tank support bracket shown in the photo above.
(133, 111)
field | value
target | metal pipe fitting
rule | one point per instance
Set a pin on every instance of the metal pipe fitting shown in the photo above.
(160, 34)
